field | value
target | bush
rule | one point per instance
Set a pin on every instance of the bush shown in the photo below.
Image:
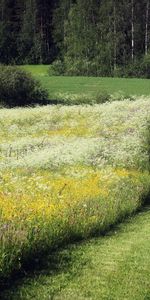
(121, 96)
(19, 88)
(57, 68)
(78, 67)
(102, 97)
(145, 66)
(85, 67)
(138, 69)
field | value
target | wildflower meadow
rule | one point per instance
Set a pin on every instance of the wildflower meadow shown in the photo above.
(68, 172)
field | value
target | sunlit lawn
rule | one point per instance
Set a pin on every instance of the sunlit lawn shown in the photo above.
(58, 86)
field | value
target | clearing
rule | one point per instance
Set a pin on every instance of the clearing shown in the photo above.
(60, 87)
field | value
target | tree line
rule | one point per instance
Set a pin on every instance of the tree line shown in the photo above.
(87, 37)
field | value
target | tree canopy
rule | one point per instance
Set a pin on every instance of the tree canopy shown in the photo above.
(98, 36)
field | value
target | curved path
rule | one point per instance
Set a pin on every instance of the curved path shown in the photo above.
(113, 267)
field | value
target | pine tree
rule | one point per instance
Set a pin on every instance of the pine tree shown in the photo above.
(10, 12)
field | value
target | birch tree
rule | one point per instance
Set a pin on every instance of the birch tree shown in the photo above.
(132, 29)
(146, 27)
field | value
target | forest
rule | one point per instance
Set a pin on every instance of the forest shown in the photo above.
(80, 37)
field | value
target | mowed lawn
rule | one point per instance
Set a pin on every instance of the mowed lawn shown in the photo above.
(114, 267)
(59, 86)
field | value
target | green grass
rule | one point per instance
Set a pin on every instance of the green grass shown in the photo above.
(36, 69)
(47, 147)
(114, 267)
(58, 86)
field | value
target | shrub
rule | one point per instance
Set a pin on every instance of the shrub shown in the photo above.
(120, 96)
(57, 68)
(102, 97)
(145, 66)
(138, 69)
(77, 67)
(74, 99)
(85, 67)
(19, 88)
(74, 68)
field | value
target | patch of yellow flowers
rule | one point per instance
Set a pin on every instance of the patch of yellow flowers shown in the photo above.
(44, 193)
(42, 206)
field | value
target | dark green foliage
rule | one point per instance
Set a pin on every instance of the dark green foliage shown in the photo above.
(19, 88)
(102, 97)
(78, 67)
(102, 38)
(57, 68)
(26, 31)
(81, 37)
(132, 70)
(138, 68)
(145, 66)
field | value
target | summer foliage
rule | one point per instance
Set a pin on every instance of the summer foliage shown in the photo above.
(86, 37)
(81, 89)
(19, 88)
(67, 173)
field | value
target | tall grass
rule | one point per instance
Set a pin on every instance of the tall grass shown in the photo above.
(67, 173)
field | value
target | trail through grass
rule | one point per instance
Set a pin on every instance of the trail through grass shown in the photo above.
(116, 266)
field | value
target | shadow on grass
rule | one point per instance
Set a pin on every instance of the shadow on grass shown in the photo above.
(48, 102)
(50, 264)
(60, 260)
(35, 103)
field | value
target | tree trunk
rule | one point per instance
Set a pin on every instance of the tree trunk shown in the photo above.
(132, 31)
(146, 27)
(115, 35)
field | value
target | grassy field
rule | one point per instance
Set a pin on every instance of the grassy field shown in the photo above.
(116, 267)
(61, 87)
(67, 173)
(70, 172)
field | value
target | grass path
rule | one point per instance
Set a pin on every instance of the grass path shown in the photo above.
(116, 266)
